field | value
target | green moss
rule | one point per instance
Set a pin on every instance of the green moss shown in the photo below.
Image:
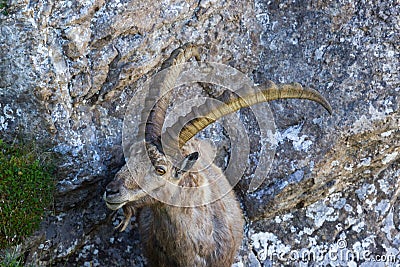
(26, 191)
(4, 7)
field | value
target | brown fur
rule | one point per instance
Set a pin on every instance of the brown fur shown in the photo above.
(203, 236)
(207, 235)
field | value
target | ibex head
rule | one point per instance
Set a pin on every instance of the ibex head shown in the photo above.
(125, 186)
(148, 160)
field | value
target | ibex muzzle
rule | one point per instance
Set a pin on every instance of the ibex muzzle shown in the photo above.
(205, 235)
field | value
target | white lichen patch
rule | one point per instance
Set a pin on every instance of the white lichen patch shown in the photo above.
(66, 251)
(278, 219)
(335, 163)
(390, 157)
(320, 52)
(359, 209)
(396, 240)
(238, 264)
(387, 134)
(349, 167)
(371, 203)
(351, 220)
(3, 124)
(384, 186)
(268, 245)
(296, 177)
(358, 227)
(300, 143)
(284, 218)
(361, 124)
(8, 112)
(382, 207)
(307, 230)
(388, 226)
(365, 190)
(8, 115)
(365, 162)
(365, 121)
(348, 208)
(287, 217)
(337, 200)
(86, 250)
(320, 213)
(376, 114)
(80, 36)
(60, 216)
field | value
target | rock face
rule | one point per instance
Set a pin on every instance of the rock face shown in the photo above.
(70, 68)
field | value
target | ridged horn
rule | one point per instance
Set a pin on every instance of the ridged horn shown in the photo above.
(200, 117)
(153, 115)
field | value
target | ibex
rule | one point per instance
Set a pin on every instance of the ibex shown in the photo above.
(205, 235)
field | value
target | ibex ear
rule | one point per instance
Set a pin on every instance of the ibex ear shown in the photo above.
(186, 164)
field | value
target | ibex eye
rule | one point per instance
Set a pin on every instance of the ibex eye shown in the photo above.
(160, 170)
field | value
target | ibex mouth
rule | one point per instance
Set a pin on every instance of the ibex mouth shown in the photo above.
(116, 202)
(113, 205)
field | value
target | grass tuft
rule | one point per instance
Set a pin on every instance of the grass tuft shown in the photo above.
(3, 7)
(26, 191)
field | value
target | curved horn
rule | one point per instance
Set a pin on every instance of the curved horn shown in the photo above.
(153, 117)
(200, 117)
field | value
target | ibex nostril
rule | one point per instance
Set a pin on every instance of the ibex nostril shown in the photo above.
(112, 188)
(112, 191)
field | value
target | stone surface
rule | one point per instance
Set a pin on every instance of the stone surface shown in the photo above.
(69, 69)
(334, 187)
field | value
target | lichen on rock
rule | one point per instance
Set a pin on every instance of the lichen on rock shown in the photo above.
(69, 69)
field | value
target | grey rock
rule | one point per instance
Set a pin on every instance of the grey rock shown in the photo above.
(69, 68)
